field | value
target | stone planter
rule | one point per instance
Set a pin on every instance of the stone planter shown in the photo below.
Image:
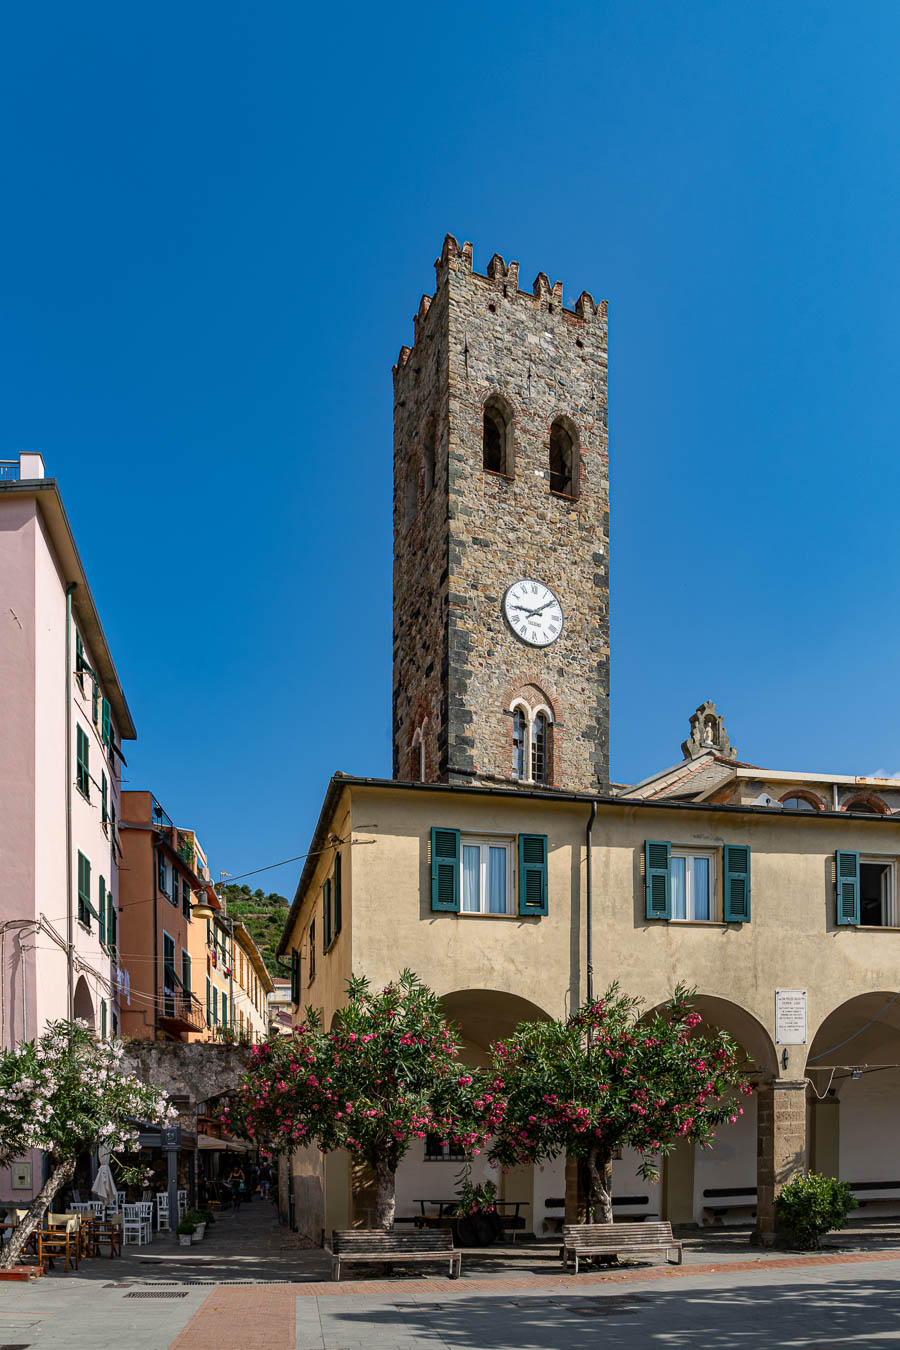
(198, 1235)
(185, 1239)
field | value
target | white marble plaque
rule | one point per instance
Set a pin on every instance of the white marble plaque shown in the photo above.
(790, 1016)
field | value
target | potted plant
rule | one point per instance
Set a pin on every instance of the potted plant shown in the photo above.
(199, 1222)
(186, 1230)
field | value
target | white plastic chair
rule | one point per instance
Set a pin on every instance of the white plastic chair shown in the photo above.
(120, 1200)
(137, 1223)
(182, 1204)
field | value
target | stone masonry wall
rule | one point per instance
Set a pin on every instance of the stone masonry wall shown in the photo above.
(456, 661)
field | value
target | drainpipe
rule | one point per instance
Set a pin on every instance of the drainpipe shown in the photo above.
(70, 920)
(157, 986)
(589, 885)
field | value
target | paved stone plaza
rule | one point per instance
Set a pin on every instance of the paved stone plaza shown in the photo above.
(727, 1296)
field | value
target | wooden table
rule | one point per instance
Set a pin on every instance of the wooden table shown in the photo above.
(472, 1230)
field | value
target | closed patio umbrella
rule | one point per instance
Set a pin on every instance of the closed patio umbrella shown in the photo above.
(104, 1186)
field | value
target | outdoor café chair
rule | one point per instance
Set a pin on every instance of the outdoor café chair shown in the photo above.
(162, 1210)
(137, 1224)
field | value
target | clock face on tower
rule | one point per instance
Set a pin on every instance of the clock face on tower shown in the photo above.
(533, 612)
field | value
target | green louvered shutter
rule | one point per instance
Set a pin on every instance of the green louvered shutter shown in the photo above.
(737, 883)
(106, 732)
(533, 887)
(336, 899)
(846, 871)
(445, 869)
(295, 976)
(657, 879)
(326, 915)
(84, 890)
(111, 920)
(103, 1019)
(101, 909)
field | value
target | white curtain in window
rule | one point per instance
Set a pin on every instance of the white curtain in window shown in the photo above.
(679, 892)
(470, 889)
(497, 880)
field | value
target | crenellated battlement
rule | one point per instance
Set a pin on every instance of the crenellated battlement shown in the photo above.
(503, 277)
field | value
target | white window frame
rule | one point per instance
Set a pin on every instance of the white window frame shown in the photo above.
(531, 714)
(485, 842)
(889, 904)
(715, 908)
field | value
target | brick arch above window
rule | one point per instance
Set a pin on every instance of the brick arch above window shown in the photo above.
(805, 796)
(868, 802)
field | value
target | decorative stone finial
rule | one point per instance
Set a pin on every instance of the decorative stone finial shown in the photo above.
(707, 733)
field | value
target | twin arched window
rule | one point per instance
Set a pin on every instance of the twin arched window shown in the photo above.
(531, 734)
(497, 454)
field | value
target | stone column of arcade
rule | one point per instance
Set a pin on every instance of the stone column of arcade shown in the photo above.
(782, 1145)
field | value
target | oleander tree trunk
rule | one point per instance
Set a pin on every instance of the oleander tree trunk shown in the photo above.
(598, 1165)
(61, 1173)
(385, 1192)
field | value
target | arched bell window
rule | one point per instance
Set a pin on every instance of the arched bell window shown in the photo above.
(563, 459)
(496, 437)
(540, 748)
(531, 742)
(520, 737)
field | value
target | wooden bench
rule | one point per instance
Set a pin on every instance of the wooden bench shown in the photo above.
(617, 1239)
(866, 1192)
(376, 1244)
(719, 1200)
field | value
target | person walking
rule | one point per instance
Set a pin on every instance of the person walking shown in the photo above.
(265, 1180)
(236, 1182)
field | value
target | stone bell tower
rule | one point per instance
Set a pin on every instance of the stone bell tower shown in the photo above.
(501, 534)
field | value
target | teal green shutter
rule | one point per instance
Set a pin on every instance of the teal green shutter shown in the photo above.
(103, 1019)
(445, 869)
(533, 887)
(737, 883)
(657, 879)
(846, 871)
(224, 1009)
(84, 890)
(79, 659)
(111, 920)
(95, 703)
(326, 915)
(104, 807)
(107, 724)
(208, 1002)
(336, 902)
(101, 910)
(215, 1007)
(82, 758)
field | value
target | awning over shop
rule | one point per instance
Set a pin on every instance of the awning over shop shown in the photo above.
(206, 1143)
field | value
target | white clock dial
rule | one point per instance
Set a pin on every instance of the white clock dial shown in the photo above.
(533, 612)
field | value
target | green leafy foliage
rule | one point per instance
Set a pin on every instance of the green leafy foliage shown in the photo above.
(610, 1076)
(385, 1074)
(262, 915)
(67, 1093)
(472, 1198)
(812, 1205)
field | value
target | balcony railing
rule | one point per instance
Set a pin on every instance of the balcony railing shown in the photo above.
(180, 1011)
(9, 470)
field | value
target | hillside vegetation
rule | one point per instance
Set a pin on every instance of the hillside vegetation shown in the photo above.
(262, 915)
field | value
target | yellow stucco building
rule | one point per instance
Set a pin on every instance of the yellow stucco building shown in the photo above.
(500, 863)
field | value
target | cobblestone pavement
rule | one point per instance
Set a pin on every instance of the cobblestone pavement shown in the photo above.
(727, 1296)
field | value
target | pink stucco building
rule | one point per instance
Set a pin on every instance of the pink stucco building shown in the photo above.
(60, 774)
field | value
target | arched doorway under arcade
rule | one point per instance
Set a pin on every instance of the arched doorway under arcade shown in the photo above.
(717, 1186)
(429, 1171)
(853, 1067)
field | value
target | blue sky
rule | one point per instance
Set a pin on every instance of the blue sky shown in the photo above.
(218, 220)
